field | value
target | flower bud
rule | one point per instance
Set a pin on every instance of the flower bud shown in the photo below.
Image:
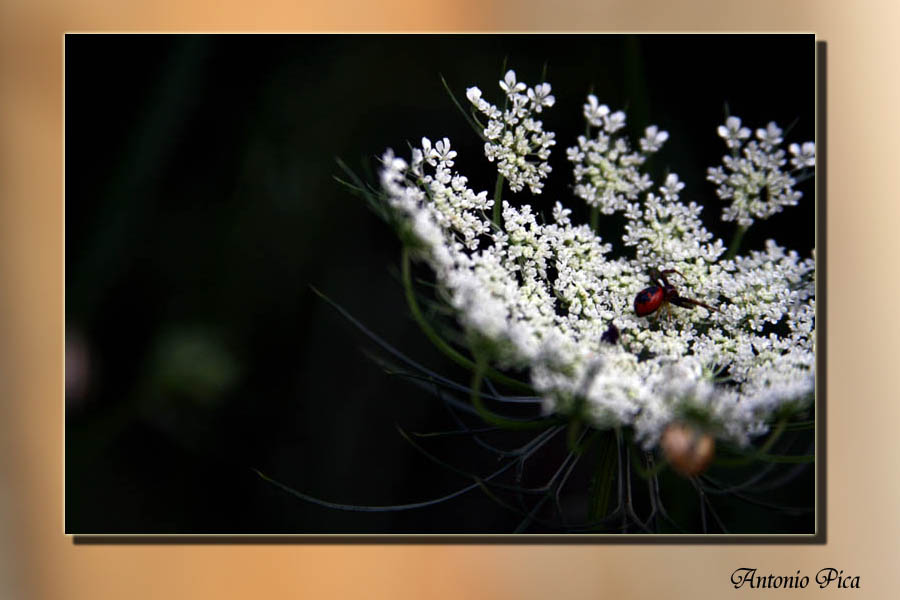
(688, 450)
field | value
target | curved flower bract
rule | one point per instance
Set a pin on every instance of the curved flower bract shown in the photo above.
(544, 293)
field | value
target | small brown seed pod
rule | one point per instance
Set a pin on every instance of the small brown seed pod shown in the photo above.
(687, 449)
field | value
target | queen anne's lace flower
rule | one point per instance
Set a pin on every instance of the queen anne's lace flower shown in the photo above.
(733, 132)
(513, 138)
(544, 293)
(653, 139)
(755, 184)
(606, 169)
(804, 156)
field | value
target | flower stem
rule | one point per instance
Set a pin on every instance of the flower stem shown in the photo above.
(479, 129)
(488, 416)
(647, 472)
(735, 242)
(762, 452)
(601, 482)
(595, 218)
(498, 191)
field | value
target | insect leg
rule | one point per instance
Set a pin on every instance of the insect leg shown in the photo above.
(690, 303)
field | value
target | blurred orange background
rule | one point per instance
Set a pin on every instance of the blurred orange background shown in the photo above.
(863, 526)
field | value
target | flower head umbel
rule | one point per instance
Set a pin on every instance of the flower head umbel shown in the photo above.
(753, 181)
(513, 138)
(607, 174)
(546, 294)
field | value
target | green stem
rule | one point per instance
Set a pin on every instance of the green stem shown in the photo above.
(470, 119)
(441, 345)
(735, 242)
(792, 459)
(601, 483)
(646, 473)
(595, 218)
(761, 453)
(498, 192)
(773, 437)
(572, 433)
(490, 417)
(800, 425)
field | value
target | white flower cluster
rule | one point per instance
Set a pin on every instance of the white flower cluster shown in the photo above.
(513, 137)
(755, 184)
(548, 294)
(606, 169)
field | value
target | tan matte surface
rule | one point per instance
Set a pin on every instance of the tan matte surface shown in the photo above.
(38, 561)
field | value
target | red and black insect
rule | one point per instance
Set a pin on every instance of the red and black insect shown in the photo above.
(661, 295)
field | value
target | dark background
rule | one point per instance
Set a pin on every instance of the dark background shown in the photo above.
(201, 207)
